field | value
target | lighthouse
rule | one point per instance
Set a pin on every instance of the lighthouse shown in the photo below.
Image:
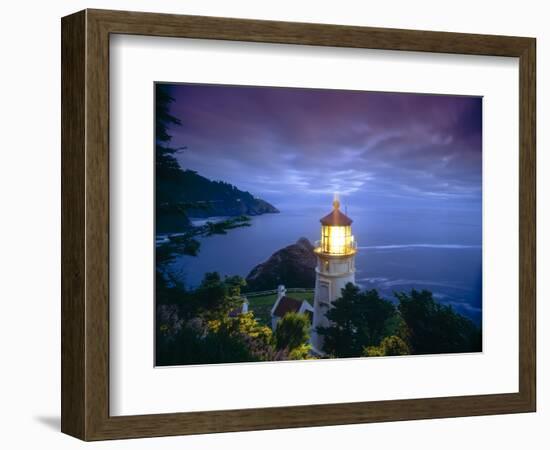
(335, 267)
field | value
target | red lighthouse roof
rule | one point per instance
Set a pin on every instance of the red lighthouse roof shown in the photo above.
(336, 217)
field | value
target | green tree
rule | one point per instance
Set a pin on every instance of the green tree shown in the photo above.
(190, 345)
(216, 298)
(232, 339)
(163, 121)
(358, 320)
(300, 352)
(170, 214)
(436, 328)
(292, 333)
(390, 346)
(196, 327)
(257, 338)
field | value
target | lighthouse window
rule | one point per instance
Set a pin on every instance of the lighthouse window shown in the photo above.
(325, 239)
(327, 266)
(336, 240)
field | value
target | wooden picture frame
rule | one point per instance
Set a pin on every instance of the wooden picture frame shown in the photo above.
(85, 224)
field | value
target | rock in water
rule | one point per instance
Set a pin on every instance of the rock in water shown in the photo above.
(293, 266)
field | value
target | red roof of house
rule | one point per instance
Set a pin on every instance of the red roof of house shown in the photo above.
(286, 305)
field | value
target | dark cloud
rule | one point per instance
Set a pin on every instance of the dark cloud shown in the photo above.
(303, 144)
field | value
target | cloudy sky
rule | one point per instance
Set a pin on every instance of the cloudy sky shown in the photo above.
(298, 146)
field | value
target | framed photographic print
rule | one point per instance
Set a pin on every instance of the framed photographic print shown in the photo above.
(272, 225)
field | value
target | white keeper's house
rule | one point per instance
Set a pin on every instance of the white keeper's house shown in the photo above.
(285, 304)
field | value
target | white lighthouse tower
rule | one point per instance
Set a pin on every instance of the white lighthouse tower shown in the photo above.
(335, 267)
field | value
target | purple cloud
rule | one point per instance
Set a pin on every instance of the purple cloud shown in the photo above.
(283, 144)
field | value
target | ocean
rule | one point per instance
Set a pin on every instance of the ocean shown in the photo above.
(429, 249)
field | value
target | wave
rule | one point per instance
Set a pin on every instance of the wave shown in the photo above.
(386, 283)
(406, 246)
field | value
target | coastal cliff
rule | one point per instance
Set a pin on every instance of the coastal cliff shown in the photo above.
(293, 266)
(186, 194)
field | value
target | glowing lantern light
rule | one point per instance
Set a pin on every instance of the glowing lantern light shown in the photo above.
(336, 237)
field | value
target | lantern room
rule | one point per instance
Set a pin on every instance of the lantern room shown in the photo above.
(336, 237)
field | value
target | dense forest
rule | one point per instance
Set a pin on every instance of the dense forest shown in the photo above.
(365, 324)
(199, 326)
